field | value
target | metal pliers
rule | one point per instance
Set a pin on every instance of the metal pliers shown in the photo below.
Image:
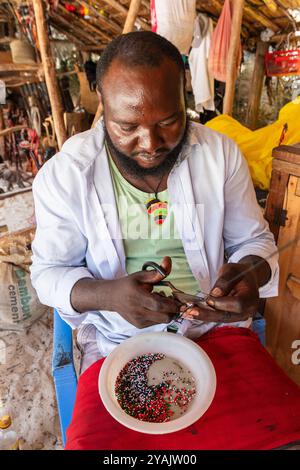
(185, 299)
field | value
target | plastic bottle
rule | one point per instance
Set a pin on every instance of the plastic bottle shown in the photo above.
(8, 436)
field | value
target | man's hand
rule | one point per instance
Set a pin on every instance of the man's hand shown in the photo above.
(132, 298)
(235, 292)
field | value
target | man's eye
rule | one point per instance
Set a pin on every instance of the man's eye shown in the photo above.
(170, 123)
(128, 128)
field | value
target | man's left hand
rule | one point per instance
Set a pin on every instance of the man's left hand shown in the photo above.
(235, 291)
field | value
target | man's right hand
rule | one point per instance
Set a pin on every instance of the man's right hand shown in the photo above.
(134, 300)
(131, 296)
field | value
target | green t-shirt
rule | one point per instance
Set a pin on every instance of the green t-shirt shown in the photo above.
(144, 239)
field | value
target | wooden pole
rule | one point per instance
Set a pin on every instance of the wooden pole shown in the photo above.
(231, 72)
(128, 27)
(121, 9)
(271, 4)
(256, 84)
(131, 16)
(50, 75)
(2, 141)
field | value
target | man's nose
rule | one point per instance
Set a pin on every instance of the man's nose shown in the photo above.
(150, 141)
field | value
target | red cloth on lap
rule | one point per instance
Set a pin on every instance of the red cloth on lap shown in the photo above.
(256, 406)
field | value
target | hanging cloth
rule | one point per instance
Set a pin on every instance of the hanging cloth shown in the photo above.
(202, 78)
(153, 17)
(2, 92)
(35, 119)
(174, 20)
(218, 54)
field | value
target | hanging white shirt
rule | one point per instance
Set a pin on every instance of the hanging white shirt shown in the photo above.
(175, 21)
(202, 78)
(78, 234)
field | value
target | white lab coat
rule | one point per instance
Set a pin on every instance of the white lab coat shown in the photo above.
(77, 235)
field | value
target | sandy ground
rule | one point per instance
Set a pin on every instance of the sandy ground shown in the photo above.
(26, 384)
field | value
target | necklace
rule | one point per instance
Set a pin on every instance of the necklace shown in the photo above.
(156, 207)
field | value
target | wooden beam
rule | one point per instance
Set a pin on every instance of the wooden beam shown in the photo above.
(260, 18)
(11, 130)
(11, 67)
(22, 81)
(83, 24)
(50, 75)
(78, 34)
(121, 9)
(256, 85)
(6, 40)
(293, 38)
(271, 5)
(131, 16)
(79, 43)
(87, 24)
(231, 72)
(116, 28)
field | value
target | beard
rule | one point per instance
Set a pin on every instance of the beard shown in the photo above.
(132, 168)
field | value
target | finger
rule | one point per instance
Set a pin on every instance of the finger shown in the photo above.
(155, 302)
(184, 307)
(191, 313)
(158, 303)
(144, 318)
(234, 304)
(188, 317)
(210, 315)
(228, 278)
(148, 277)
(152, 317)
(219, 316)
(166, 264)
(152, 276)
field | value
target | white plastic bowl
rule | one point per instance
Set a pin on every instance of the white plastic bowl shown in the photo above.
(172, 345)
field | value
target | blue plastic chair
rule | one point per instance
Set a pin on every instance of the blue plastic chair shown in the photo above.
(259, 327)
(63, 372)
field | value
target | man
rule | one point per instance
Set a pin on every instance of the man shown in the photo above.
(147, 185)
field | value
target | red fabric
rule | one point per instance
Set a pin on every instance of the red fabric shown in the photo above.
(220, 44)
(256, 405)
(153, 17)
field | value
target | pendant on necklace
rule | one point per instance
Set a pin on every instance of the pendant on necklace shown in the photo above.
(157, 208)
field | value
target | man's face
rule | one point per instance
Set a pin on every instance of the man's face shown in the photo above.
(144, 115)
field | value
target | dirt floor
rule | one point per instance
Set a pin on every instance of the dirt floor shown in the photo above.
(26, 384)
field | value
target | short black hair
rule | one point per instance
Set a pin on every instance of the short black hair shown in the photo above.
(138, 48)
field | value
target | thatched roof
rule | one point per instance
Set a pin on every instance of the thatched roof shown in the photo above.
(106, 19)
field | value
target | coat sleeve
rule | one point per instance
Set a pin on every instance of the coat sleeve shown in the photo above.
(246, 232)
(59, 246)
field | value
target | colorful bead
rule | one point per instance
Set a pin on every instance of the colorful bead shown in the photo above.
(151, 403)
